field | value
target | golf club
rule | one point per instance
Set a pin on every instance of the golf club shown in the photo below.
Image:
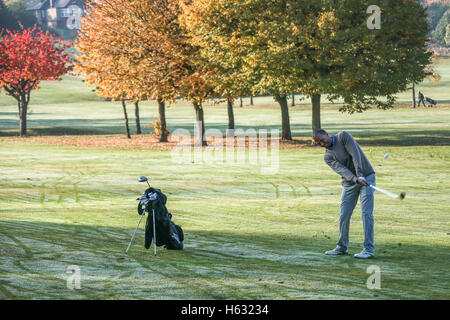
(132, 238)
(154, 231)
(144, 179)
(390, 194)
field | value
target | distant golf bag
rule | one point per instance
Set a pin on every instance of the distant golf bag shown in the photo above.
(430, 101)
(167, 233)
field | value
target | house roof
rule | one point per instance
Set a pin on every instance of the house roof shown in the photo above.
(45, 4)
(36, 6)
(60, 3)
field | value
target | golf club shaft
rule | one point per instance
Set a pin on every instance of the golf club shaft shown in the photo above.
(390, 194)
(154, 231)
(132, 238)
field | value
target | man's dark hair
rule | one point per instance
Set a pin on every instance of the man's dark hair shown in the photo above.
(319, 131)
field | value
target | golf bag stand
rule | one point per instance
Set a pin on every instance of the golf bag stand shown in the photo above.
(134, 233)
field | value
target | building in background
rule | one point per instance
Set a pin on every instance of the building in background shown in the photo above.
(60, 16)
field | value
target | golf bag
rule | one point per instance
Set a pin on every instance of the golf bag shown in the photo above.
(167, 233)
(430, 101)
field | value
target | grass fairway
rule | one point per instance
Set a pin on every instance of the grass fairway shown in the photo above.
(248, 235)
(68, 199)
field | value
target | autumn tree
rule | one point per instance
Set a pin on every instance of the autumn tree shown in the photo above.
(138, 49)
(102, 58)
(28, 57)
(194, 83)
(224, 70)
(318, 48)
(246, 42)
(156, 72)
(165, 47)
(119, 63)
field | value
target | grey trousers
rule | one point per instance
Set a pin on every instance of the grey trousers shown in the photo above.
(349, 199)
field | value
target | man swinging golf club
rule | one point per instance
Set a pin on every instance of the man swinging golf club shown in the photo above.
(345, 157)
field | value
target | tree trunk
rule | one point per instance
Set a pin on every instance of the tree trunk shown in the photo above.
(251, 100)
(230, 113)
(240, 101)
(285, 124)
(199, 125)
(162, 120)
(23, 108)
(138, 121)
(315, 99)
(127, 127)
(293, 99)
(414, 94)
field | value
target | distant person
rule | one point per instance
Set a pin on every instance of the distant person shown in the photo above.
(345, 157)
(421, 99)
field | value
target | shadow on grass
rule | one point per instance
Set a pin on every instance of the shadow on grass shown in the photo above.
(405, 138)
(393, 137)
(54, 131)
(365, 135)
(217, 259)
(60, 127)
(67, 131)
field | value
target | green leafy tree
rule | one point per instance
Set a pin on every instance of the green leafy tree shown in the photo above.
(225, 69)
(21, 16)
(447, 35)
(249, 45)
(439, 34)
(435, 11)
(317, 48)
(364, 67)
(376, 62)
(7, 20)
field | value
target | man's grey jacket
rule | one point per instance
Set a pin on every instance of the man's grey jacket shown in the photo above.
(347, 159)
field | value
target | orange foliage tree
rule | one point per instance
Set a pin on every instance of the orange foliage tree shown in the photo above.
(138, 49)
(102, 57)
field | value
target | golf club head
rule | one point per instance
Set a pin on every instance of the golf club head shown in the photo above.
(402, 196)
(142, 179)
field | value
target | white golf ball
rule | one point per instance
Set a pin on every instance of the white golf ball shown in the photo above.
(386, 155)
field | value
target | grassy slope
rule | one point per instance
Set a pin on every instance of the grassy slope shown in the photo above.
(248, 235)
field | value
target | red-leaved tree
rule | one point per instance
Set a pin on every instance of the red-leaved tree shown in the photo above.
(27, 57)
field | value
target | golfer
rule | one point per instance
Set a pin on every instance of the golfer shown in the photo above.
(343, 155)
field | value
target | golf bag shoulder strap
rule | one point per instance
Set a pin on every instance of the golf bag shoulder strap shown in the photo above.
(140, 209)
